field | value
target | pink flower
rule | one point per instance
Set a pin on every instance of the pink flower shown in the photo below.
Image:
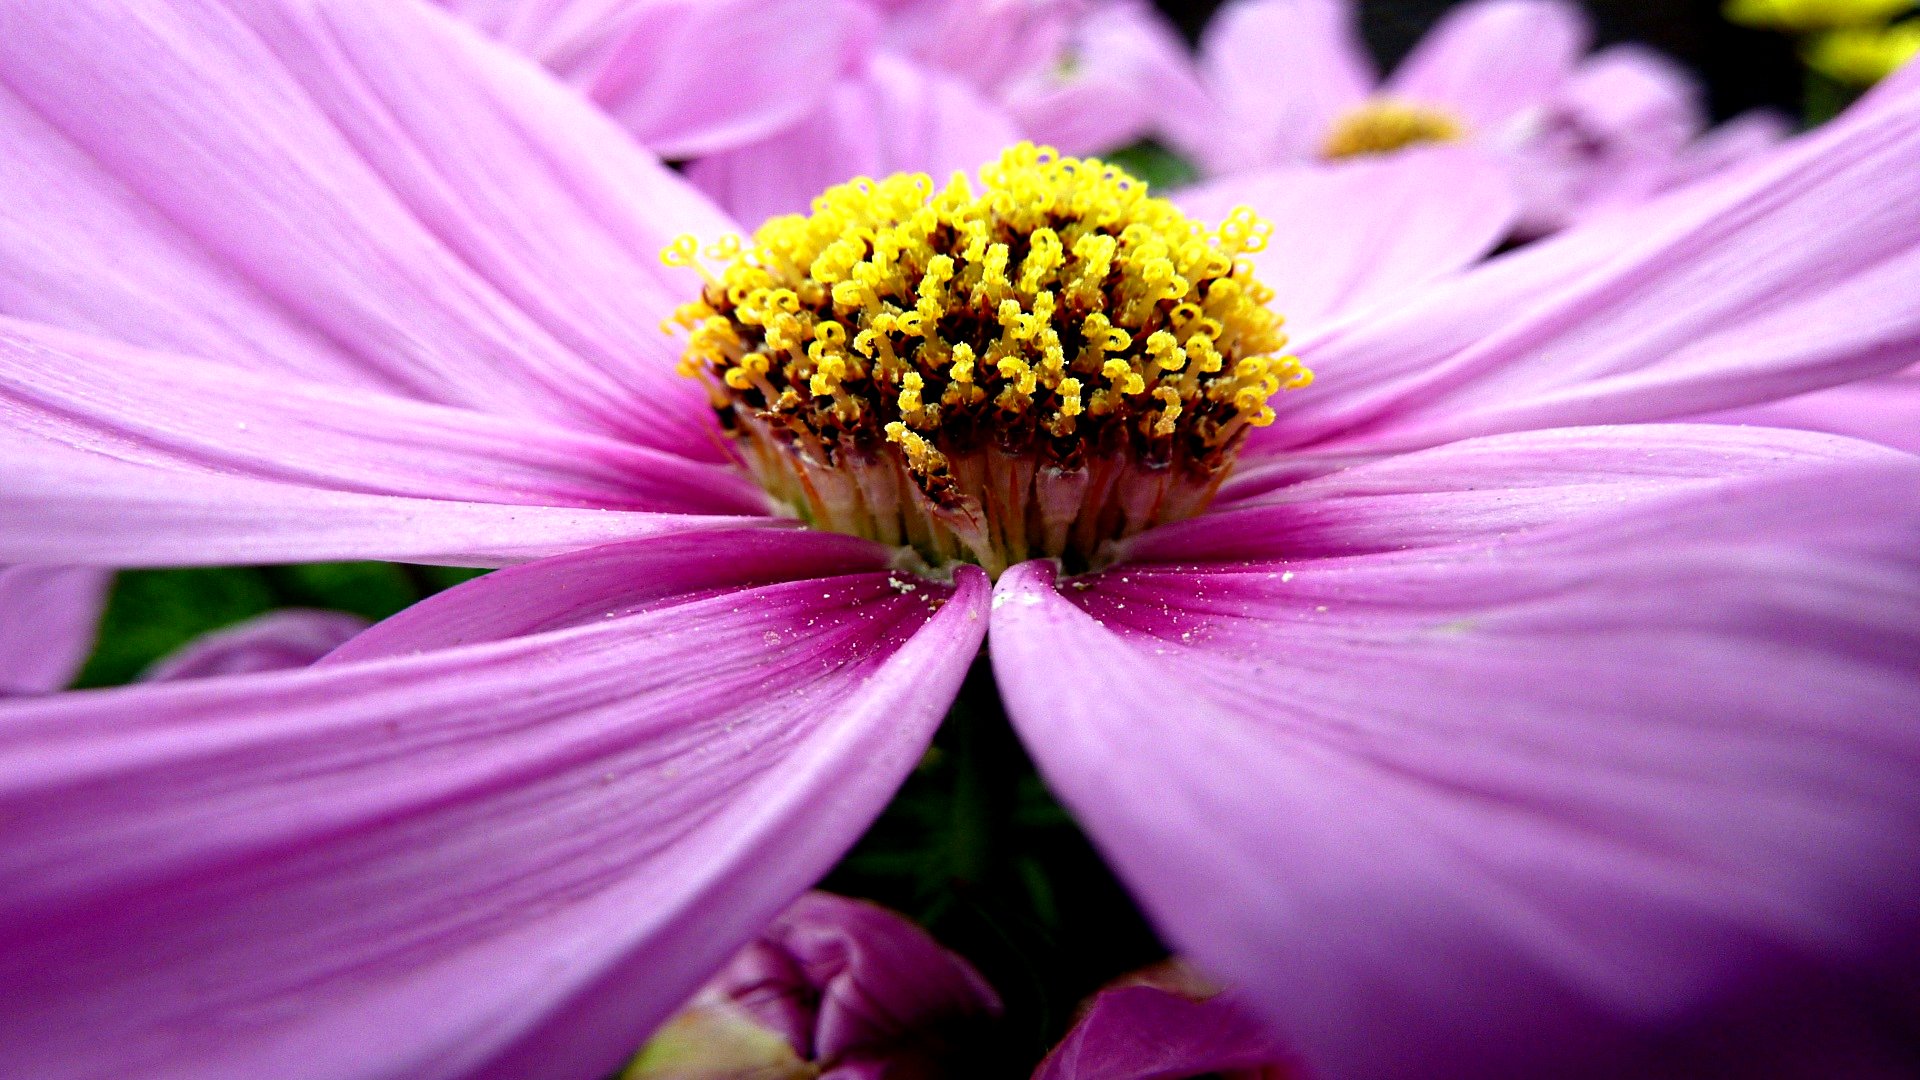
(1484, 724)
(1290, 80)
(833, 988)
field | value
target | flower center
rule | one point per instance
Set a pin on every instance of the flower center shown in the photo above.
(1034, 368)
(1384, 125)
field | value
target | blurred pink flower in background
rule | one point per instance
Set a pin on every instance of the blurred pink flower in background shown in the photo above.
(1485, 724)
(48, 616)
(1290, 80)
(833, 988)
(822, 91)
(816, 92)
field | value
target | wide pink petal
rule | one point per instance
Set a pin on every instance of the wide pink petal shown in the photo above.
(277, 641)
(1777, 280)
(1477, 489)
(48, 618)
(349, 186)
(893, 117)
(1350, 236)
(1884, 410)
(1490, 61)
(1637, 795)
(650, 62)
(69, 507)
(508, 860)
(133, 405)
(1281, 72)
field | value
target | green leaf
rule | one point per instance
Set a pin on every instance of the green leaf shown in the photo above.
(150, 613)
(1160, 167)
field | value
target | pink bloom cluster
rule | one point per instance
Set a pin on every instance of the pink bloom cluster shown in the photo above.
(817, 92)
(1494, 720)
(1576, 134)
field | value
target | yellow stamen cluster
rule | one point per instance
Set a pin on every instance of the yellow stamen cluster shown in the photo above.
(1384, 125)
(990, 372)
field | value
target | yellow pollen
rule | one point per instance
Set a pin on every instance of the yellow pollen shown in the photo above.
(1038, 364)
(1384, 125)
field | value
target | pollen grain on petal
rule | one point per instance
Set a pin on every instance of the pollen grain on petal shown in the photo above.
(1033, 364)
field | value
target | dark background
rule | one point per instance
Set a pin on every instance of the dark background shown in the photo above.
(1740, 68)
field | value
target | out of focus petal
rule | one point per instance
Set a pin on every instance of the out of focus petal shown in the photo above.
(1730, 145)
(895, 117)
(650, 63)
(531, 850)
(353, 189)
(1490, 61)
(1281, 73)
(1611, 138)
(1775, 281)
(66, 506)
(984, 43)
(48, 618)
(1634, 795)
(277, 641)
(1124, 71)
(1347, 237)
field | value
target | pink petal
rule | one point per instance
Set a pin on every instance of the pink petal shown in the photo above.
(984, 43)
(278, 641)
(1480, 488)
(1884, 410)
(48, 618)
(1123, 72)
(1281, 72)
(1347, 237)
(69, 507)
(650, 62)
(1613, 137)
(1782, 279)
(1638, 795)
(155, 409)
(894, 117)
(509, 860)
(356, 189)
(1490, 61)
